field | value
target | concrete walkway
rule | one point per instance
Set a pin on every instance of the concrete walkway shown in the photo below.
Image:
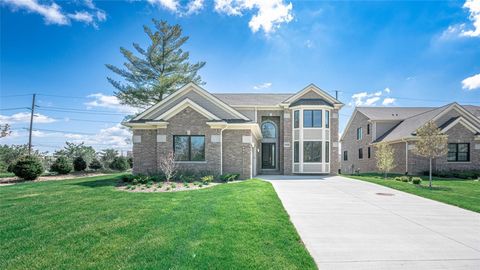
(351, 224)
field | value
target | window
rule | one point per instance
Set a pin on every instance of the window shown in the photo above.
(368, 152)
(312, 118)
(189, 148)
(368, 128)
(458, 152)
(359, 133)
(296, 154)
(327, 152)
(269, 130)
(360, 153)
(345, 155)
(296, 119)
(327, 119)
(312, 151)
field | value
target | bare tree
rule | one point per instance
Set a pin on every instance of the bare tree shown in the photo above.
(5, 130)
(432, 143)
(384, 155)
(168, 165)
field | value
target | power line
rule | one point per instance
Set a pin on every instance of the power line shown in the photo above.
(63, 131)
(19, 95)
(82, 112)
(86, 120)
(17, 108)
(60, 96)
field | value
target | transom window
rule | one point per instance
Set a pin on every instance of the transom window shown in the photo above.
(312, 151)
(189, 148)
(269, 130)
(458, 152)
(312, 118)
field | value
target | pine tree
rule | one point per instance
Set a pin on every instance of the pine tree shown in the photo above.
(160, 69)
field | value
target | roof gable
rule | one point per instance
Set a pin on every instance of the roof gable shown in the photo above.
(311, 88)
(176, 97)
(186, 103)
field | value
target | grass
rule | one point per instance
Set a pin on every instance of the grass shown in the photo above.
(88, 224)
(6, 174)
(458, 192)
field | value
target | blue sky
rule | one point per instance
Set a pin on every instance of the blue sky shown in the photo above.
(375, 53)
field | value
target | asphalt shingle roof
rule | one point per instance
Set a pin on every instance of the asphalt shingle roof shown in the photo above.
(392, 113)
(252, 99)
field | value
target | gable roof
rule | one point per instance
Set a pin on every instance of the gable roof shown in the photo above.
(392, 113)
(317, 90)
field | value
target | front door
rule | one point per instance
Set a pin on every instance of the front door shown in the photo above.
(268, 155)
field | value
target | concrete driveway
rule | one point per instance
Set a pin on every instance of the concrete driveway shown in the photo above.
(351, 224)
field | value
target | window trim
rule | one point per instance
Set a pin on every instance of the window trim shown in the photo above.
(457, 152)
(190, 148)
(311, 111)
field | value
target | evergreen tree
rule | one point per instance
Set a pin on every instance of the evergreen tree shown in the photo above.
(160, 69)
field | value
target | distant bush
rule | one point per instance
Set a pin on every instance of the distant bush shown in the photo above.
(402, 178)
(228, 177)
(416, 180)
(79, 164)
(467, 174)
(28, 168)
(95, 165)
(119, 164)
(61, 165)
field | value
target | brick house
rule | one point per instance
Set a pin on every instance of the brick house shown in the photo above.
(397, 126)
(245, 133)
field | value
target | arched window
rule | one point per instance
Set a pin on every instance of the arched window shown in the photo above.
(269, 130)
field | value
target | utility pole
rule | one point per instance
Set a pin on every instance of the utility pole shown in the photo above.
(31, 125)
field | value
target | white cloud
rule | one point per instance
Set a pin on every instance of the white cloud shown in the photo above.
(388, 101)
(472, 82)
(262, 86)
(110, 102)
(115, 136)
(371, 99)
(309, 44)
(473, 7)
(194, 6)
(24, 117)
(53, 13)
(171, 5)
(269, 14)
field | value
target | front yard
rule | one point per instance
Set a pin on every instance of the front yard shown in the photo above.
(87, 223)
(458, 192)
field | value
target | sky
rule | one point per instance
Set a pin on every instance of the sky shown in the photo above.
(374, 53)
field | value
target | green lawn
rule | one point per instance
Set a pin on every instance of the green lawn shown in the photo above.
(458, 192)
(87, 224)
(6, 174)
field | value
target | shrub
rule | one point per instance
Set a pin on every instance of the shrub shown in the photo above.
(28, 168)
(128, 178)
(416, 180)
(207, 179)
(229, 177)
(95, 165)
(79, 164)
(130, 162)
(10, 167)
(61, 166)
(402, 178)
(119, 164)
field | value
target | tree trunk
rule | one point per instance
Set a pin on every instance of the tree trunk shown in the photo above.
(430, 174)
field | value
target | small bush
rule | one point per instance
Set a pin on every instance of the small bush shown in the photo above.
(119, 164)
(402, 178)
(130, 162)
(28, 168)
(95, 165)
(128, 178)
(228, 177)
(207, 179)
(416, 180)
(61, 166)
(79, 164)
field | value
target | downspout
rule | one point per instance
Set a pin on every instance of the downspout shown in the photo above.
(221, 149)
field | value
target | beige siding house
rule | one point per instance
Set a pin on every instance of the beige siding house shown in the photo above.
(241, 133)
(397, 126)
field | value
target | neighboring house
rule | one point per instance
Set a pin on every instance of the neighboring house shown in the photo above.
(397, 126)
(248, 134)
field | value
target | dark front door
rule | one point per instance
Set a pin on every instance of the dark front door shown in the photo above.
(268, 155)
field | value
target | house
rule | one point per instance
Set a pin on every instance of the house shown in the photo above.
(397, 126)
(244, 133)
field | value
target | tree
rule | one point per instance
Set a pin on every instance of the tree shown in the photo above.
(28, 168)
(79, 164)
(168, 165)
(384, 155)
(160, 69)
(119, 164)
(107, 156)
(5, 130)
(431, 144)
(73, 150)
(61, 165)
(95, 165)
